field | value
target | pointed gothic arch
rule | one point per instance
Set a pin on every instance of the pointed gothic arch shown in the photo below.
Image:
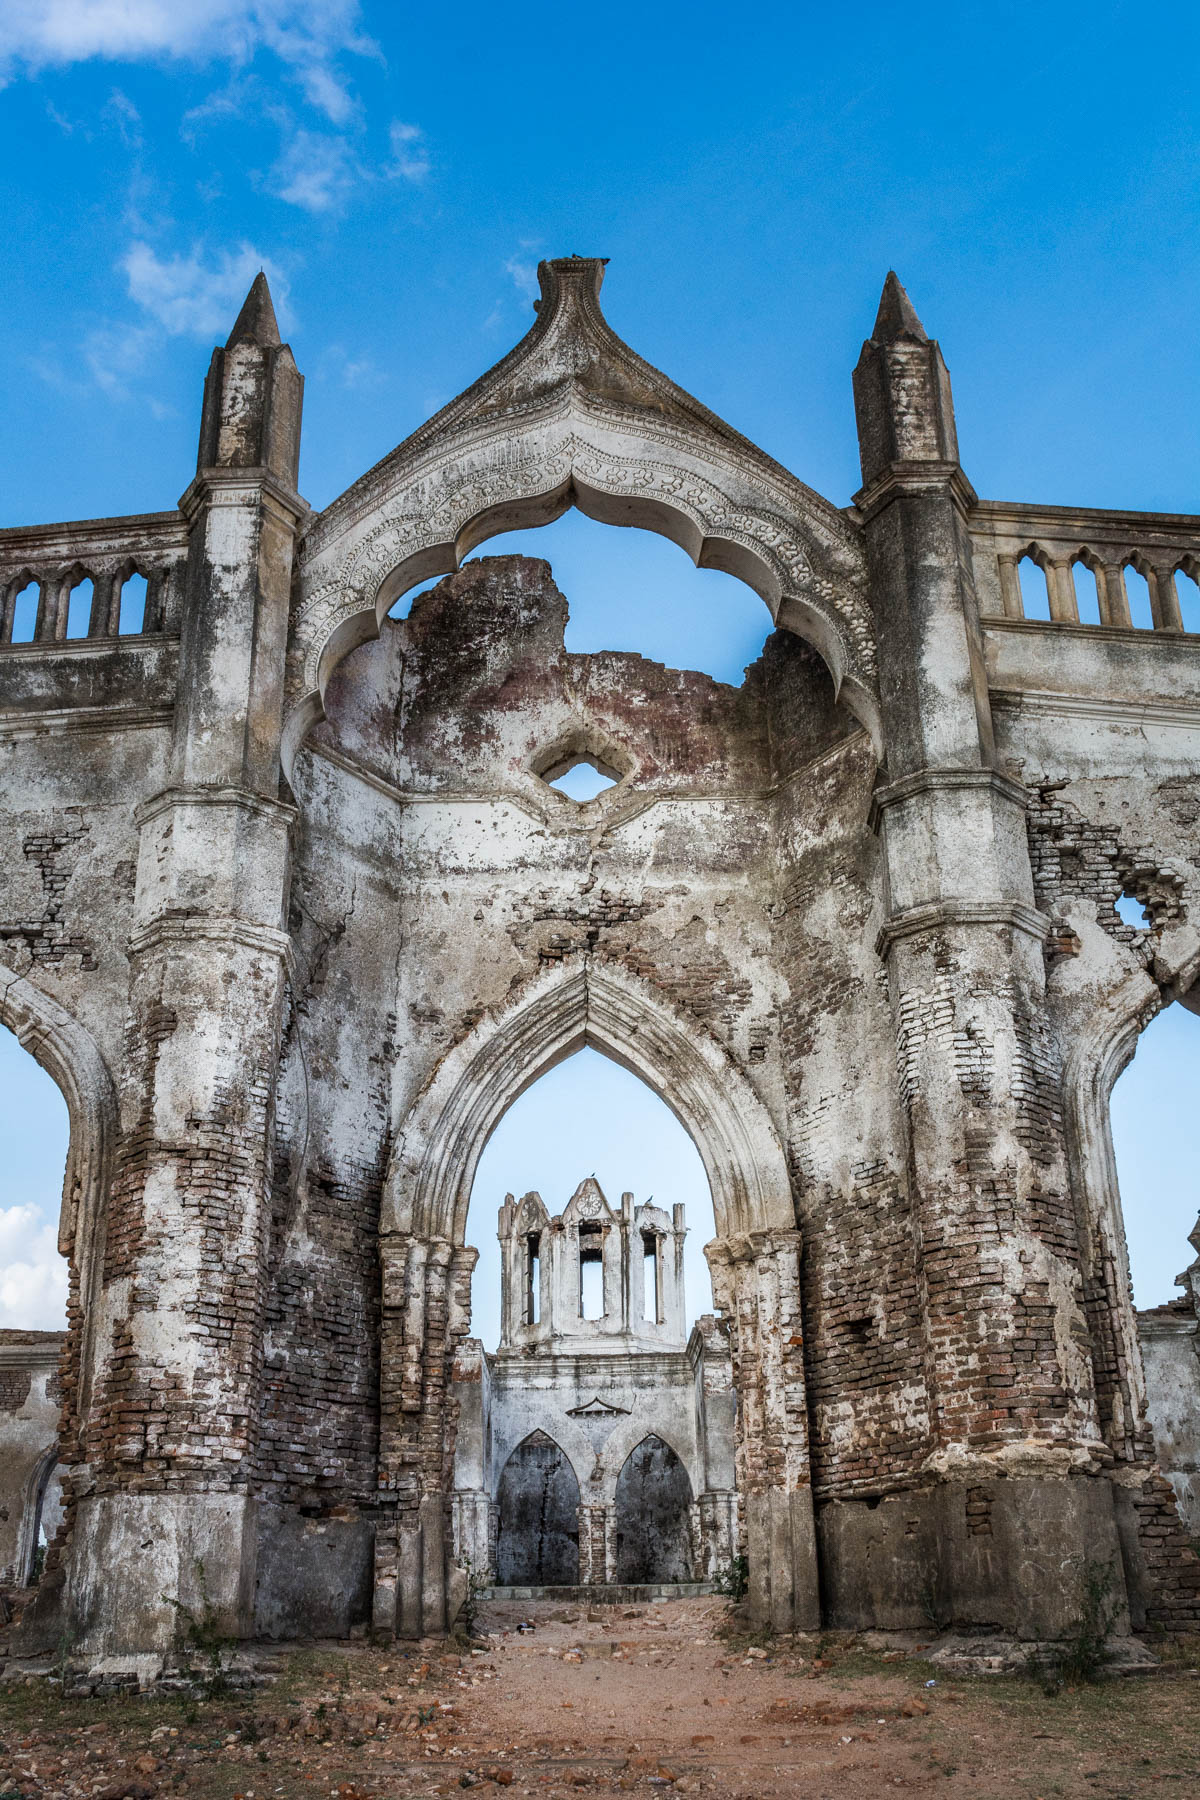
(438, 1145)
(1099, 1054)
(573, 417)
(71, 1057)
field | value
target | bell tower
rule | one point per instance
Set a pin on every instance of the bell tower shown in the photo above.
(593, 1277)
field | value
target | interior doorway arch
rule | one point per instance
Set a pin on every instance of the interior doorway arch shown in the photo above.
(537, 1539)
(755, 1262)
(438, 1145)
(653, 1508)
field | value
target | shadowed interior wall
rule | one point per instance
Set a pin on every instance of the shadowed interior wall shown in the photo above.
(538, 1540)
(654, 1499)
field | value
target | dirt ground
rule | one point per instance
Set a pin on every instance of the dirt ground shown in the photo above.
(652, 1699)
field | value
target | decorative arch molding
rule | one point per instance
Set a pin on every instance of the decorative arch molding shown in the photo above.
(573, 417)
(568, 1439)
(72, 1058)
(624, 1440)
(439, 1143)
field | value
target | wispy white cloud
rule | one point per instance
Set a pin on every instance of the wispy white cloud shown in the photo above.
(199, 295)
(522, 269)
(316, 171)
(115, 354)
(33, 1276)
(121, 111)
(410, 158)
(307, 36)
(340, 369)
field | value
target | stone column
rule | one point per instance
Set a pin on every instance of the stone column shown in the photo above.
(172, 1435)
(756, 1284)
(717, 1514)
(1007, 1357)
(425, 1316)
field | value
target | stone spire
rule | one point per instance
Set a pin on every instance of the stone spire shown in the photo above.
(253, 396)
(902, 391)
(897, 316)
(256, 323)
(243, 515)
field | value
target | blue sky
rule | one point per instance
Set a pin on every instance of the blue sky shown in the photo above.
(1030, 171)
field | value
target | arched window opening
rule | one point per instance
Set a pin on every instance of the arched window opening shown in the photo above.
(1153, 1111)
(1188, 588)
(35, 1132)
(79, 607)
(537, 1537)
(591, 1273)
(653, 1516)
(587, 1116)
(533, 1277)
(632, 590)
(1087, 597)
(652, 1277)
(47, 1519)
(25, 608)
(133, 605)
(1137, 590)
(1035, 596)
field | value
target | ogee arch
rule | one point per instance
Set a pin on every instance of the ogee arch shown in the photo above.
(573, 417)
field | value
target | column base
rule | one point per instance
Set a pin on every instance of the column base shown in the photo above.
(781, 1548)
(419, 1590)
(1003, 1555)
(142, 1563)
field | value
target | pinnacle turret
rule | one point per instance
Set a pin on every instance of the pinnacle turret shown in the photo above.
(902, 391)
(256, 323)
(897, 316)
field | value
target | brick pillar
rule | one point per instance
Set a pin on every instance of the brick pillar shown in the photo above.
(597, 1544)
(1014, 1417)
(168, 1512)
(756, 1284)
(425, 1316)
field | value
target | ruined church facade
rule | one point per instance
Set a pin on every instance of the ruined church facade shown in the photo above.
(594, 1446)
(291, 914)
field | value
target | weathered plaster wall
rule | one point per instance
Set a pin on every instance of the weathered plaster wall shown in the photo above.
(1172, 1364)
(30, 1404)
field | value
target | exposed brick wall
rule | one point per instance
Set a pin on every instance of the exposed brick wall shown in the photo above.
(1171, 1560)
(54, 936)
(14, 1389)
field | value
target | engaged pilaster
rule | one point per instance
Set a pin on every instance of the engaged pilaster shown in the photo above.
(176, 1415)
(1008, 1369)
(756, 1284)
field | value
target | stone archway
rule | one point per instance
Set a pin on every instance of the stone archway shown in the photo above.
(652, 1512)
(537, 1500)
(1100, 1053)
(71, 1057)
(755, 1259)
(573, 417)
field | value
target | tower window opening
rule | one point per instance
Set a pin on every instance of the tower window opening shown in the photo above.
(533, 1270)
(591, 1273)
(651, 1278)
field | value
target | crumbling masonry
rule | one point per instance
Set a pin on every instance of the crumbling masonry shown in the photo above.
(291, 914)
